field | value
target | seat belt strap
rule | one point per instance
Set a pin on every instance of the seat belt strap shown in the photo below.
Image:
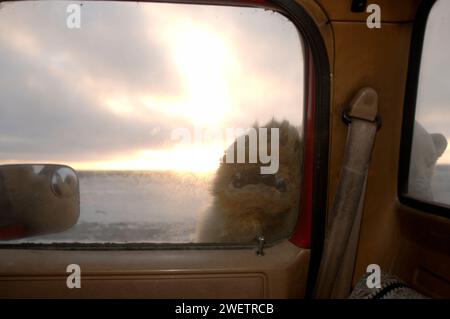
(338, 257)
(343, 285)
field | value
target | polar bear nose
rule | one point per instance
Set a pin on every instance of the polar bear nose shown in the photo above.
(241, 179)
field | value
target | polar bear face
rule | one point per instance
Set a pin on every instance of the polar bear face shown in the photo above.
(242, 189)
(425, 151)
(247, 203)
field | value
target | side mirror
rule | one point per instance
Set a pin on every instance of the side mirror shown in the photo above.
(37, 200)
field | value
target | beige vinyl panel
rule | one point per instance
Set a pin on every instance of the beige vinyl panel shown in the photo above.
(410, 244)
(391, 11)
(238, 273)
(423, 258)
(376, 58)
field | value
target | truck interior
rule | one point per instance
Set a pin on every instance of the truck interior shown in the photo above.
(120, 122)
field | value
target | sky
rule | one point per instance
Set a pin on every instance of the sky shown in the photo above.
(111, 94)
(433, 98)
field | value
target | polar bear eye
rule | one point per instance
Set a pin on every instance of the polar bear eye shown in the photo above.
(280, 184)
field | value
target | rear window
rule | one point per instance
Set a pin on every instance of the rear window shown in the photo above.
(182, 122)
(429, 170)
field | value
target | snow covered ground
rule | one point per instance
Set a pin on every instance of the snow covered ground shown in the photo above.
(156, 207)
(136, 207)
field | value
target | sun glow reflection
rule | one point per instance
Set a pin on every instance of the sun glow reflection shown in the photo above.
(195, 159)
(205, 64)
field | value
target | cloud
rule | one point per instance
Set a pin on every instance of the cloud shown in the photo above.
(79, 94)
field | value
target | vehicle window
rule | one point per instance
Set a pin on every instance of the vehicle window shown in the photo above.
(429, 173)
(182, 122)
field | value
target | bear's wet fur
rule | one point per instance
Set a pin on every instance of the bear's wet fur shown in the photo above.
(247, 204)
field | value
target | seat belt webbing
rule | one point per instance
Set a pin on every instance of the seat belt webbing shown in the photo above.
(338, 257)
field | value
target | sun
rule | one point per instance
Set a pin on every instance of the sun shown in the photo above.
(205, 62)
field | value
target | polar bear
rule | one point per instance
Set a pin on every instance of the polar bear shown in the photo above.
(247, 204)
(425, 150)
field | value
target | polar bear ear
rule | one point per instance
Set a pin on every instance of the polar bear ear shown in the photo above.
(440, 143)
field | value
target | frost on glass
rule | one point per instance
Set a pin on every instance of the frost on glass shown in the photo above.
(141, 100)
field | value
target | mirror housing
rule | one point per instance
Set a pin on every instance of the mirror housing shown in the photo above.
(37, 199)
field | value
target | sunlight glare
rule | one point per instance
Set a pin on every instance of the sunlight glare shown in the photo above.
(204, 61)
(195, 159)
